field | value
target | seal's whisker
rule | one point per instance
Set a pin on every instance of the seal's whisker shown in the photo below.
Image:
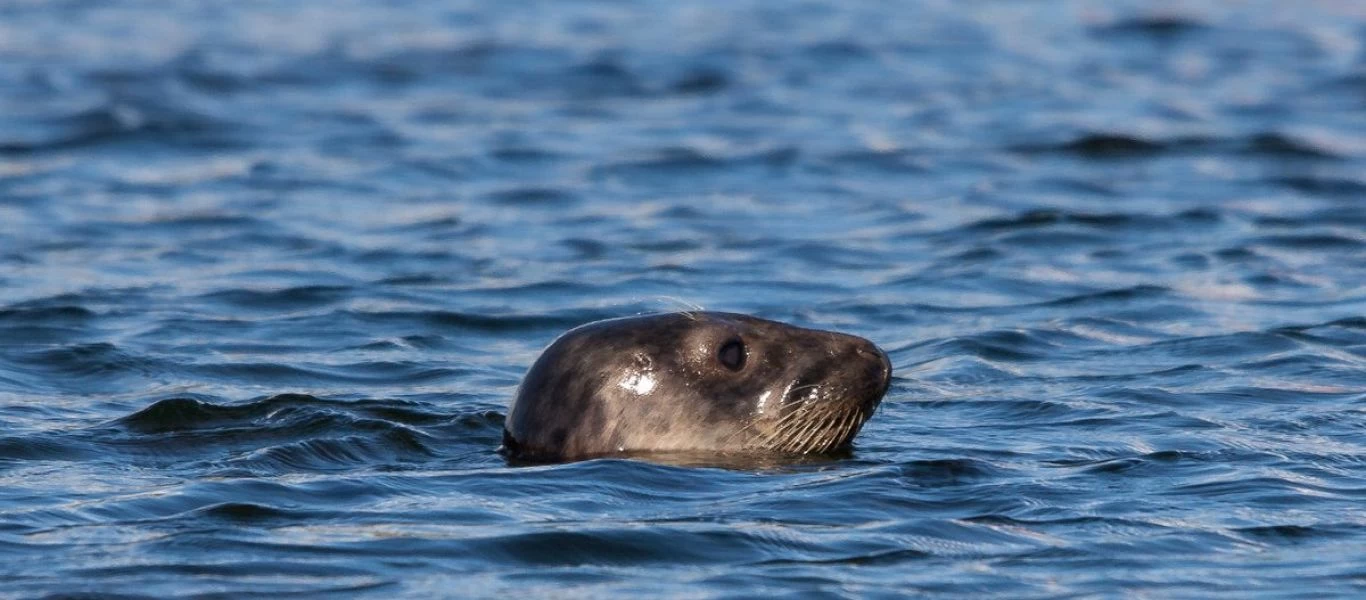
(809, 428)
(798, 444)
(775, 432)
(751, 427)
(779, 429)
(835, 431)
(802, 444)
(803, 412)
(798, 423)
(840, 427)
(849, 426)
(768, 437)
(810, 439)
(827, 437)
(832, 430)
(791, 426)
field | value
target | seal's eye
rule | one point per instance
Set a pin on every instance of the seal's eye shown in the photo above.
(732, 355)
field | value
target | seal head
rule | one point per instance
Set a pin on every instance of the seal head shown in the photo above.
(695, 382)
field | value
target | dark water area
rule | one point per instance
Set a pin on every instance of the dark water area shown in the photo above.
(271, 271)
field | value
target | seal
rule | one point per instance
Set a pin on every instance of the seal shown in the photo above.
(692, 382)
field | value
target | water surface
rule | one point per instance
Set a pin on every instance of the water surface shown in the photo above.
(270, 272)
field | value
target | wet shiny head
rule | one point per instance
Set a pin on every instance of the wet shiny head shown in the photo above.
(695, 381)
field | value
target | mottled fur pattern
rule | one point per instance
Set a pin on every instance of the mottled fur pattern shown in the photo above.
(655, 383)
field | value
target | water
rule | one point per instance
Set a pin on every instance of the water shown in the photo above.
(270, 271)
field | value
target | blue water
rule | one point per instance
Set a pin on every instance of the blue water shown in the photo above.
(270, 272)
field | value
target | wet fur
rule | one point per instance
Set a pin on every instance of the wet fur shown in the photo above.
(801, 391)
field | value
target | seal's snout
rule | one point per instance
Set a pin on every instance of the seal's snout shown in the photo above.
(873, 368)
(879, 367)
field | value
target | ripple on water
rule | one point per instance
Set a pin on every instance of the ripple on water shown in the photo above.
(269, 273)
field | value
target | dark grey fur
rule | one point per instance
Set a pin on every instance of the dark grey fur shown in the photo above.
(655, 384)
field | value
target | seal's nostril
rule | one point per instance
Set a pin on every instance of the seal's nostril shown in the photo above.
(868, 349)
